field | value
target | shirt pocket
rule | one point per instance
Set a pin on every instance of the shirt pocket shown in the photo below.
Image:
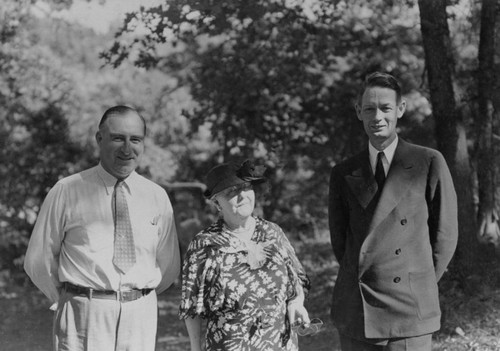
(146, 236)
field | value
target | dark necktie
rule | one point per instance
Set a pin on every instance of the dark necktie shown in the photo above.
(124, 249)
(379, 171)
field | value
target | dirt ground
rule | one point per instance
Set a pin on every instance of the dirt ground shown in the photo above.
(29, 322)
(26, 321)
(470, 323)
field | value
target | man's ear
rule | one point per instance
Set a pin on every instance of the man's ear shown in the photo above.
(401, 108)
(98, 137)
(357, 107)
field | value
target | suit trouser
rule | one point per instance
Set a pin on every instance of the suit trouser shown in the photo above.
(92, 324)
(417, 343)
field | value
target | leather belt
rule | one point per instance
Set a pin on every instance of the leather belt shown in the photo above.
(122, 296)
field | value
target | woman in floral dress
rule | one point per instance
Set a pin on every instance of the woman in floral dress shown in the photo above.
(241, 274)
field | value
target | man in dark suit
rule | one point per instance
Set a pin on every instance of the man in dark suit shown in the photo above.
(393, 226)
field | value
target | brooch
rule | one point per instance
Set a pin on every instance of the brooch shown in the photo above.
(256, 253)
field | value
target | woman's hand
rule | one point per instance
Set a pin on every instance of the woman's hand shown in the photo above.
(297, 313)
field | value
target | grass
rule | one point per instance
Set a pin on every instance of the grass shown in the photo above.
(471, 321)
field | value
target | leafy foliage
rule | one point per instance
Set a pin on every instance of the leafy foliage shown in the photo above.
(52, 93)
(35, 146)
(277, 79)
(274, 80)
(271, 72)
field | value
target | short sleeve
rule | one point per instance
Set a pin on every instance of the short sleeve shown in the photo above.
(199, 281)
(296, 272)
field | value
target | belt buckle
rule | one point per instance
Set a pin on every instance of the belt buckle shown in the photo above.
(119, 296)
(127, 296)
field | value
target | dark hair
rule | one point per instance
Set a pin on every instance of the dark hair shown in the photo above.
(383, 80)
(120, 110)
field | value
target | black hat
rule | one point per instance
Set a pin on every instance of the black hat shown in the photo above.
(226, 175)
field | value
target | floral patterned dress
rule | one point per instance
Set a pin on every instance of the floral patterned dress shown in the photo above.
(242, 289)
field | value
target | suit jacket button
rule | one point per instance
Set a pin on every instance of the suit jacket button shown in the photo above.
(397, 252)
(404, 221)
(397, 280)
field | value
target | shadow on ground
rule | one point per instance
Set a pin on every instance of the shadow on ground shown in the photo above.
(470, 323)
(26, 321)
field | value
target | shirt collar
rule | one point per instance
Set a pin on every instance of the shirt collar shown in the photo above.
(109, 181)
(388, 152)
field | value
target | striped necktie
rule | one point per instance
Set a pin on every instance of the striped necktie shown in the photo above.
(124, 248)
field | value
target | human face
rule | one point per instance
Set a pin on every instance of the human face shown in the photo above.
(121, 144)
(379, 111)
(236, 203)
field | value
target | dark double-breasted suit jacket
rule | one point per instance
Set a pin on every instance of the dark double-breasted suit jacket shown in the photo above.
(392, 246)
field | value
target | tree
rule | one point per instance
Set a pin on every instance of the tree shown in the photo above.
(35, 146)
(487, 165)
(450, 131)
(53, 89)
(277, 79)
(35, 149)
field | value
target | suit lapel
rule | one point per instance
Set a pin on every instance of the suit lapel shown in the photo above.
(361, 180)
(399, 179)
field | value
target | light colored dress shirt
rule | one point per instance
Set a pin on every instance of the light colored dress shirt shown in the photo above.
(388, 155)
(72, 240)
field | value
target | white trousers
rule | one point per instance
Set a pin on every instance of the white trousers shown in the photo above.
(83, 324)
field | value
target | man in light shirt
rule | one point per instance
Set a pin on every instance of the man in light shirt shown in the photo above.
(104, 244)
(393, 226)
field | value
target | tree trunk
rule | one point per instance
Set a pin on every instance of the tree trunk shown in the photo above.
(450, 132)
(488, 218)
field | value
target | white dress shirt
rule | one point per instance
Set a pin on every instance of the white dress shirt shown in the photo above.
(386, 159)
(72, 240)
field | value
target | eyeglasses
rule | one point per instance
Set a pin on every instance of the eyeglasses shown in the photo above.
(313, 328)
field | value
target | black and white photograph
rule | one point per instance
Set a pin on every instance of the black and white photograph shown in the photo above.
(250, 175)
